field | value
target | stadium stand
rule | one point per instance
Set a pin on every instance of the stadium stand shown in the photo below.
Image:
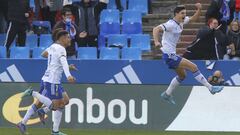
(36, 52)
(131, 53)
(87, 53)
(138, 5)
(20, 53)
(117, 40)
(112, 4)
(141, 41)
(45, 40)
(131, 22)
(32, 41)
(109, 19)
(109, 53)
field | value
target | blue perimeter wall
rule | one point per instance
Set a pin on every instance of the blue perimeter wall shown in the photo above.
(116, 71)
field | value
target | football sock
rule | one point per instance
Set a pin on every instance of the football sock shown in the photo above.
(57, 116)
(31, 110)
(46, 101)
(201, 79)
(174, 83)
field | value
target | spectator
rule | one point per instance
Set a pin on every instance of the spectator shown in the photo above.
(217, 79)
(119, 5)
(234, 38)
(3, 16)
(210, 43)
(18, 12)
(68, 25)
(86, 21)
(49, 9)
(150, 6)
(102, 4)
(223, 11)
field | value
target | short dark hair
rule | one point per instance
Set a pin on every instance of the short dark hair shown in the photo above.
(60, 34)
(55, 32)
(65, 10)
(179, 8)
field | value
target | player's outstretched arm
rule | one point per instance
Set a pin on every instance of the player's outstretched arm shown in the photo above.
(197, 14)
(156, 35)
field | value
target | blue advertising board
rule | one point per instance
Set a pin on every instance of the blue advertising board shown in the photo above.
(116, 71)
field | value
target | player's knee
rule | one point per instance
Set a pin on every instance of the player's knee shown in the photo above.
(66, 102)
(38, 105)
(194, 68)
(182, 77)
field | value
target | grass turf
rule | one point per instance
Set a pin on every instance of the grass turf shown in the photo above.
(43, 131)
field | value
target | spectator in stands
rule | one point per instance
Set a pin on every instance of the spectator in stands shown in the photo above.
(3, 16)
(119, 5)
(102, 4)
(234, 38)
(210, 43)
(150, 6)
(223, 11)
(18, 13)
(68, 25)
(217, 79)
(86, 21)
(49, 9)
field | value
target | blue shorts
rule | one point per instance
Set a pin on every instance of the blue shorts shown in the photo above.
(52, 91)
(172, 60)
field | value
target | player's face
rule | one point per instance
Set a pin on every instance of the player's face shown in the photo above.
(66, 40)
(181, 15)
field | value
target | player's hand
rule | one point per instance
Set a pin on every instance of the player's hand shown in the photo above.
(83, 34)
(72, 67)
(71, 79)
(198, 6)
(157, 44)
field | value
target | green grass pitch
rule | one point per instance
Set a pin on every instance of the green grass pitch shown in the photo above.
(43, 131)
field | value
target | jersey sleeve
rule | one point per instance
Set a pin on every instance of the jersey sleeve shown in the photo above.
(186, 20)
(62, 53)
(63, 60)
(168, 26)
(47, 49)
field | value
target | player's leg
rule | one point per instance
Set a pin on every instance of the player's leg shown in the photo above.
(43, 99)
(57, 115)
(186, 64)
(31, 110)
(65, 98)
(167, 95)
(45, 110)
(181, 74)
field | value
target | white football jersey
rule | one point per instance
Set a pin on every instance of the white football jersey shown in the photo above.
(54, 71)
(171, 35)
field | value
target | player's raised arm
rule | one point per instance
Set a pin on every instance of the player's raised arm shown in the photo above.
(197, 14)
(156, 35)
